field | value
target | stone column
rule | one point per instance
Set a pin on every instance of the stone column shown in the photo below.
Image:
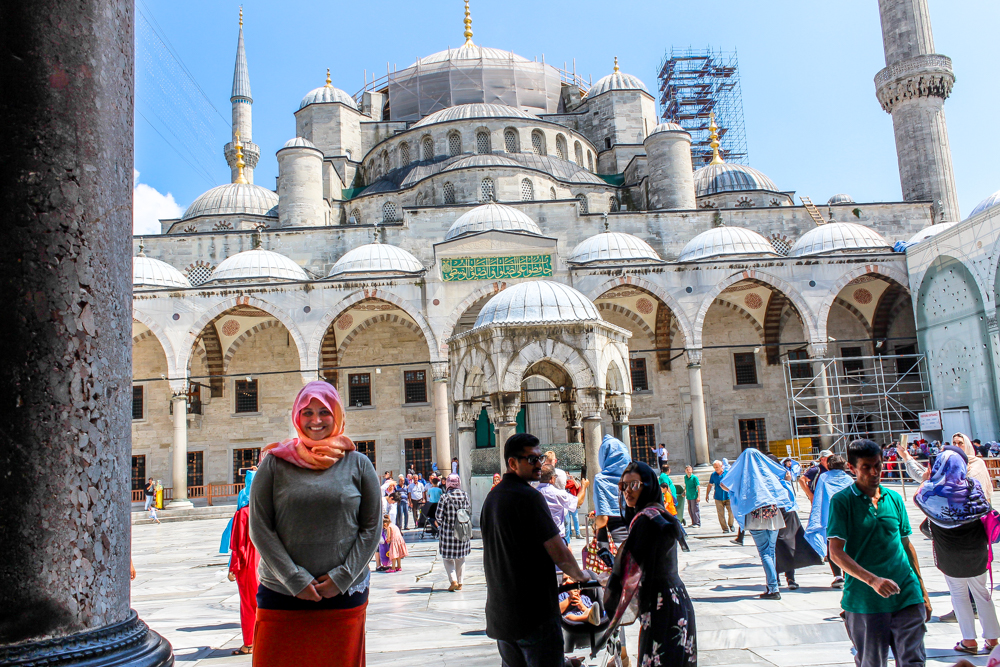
(590, 402)
(503, 409)
(178, 403)
(442, 427)
(698, 419)
(574, 429)
(620, 407)
(821, 383)
(66, 70)
(465, 417)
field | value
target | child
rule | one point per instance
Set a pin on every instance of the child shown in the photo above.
(577, 608)
(152, 513)
(392, 548)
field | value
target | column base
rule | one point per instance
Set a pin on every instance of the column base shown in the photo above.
(130, 642)
(179, 505)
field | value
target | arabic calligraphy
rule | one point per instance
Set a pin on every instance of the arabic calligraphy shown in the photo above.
(495, 268)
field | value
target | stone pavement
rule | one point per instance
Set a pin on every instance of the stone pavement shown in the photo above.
(182, 592)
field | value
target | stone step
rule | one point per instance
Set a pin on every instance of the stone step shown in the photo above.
(193, 514)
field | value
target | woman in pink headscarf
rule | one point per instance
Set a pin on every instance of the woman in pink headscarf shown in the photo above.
(315, 514)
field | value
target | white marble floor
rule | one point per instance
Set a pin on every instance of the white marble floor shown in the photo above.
(182, 592)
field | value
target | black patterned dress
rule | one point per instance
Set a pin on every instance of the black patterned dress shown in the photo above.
(447, 512)
(667, 635)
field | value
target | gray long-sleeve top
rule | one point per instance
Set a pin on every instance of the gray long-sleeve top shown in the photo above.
(306, 523)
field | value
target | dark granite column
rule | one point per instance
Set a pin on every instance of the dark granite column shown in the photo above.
(66, 104)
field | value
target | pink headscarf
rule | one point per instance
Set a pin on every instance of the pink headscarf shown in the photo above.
(453, 482)
(314, 454)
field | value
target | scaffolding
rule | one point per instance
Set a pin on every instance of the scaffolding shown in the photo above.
(695, 83)
(835, 400)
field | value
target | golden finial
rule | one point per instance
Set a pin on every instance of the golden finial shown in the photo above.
(713, 134)
(240, 178)
(241, 16)
(616, 64)
(329, 83)
(468, 24)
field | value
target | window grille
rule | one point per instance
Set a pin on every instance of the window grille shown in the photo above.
(428, 148)
(640, 381)
(418, 455)
(246, 396)
(853, 368)
(797, 369)
(746, 367)
(359, 389)
(582, 199)
(642, 441)
(199, 274)
(527, 190)
(196, 469)
(355, 218)
(138, 472)
(244, 459)
(510, 141)
(404, 154)
(537, 143)
(744, 202)
(613, 204)
(579, 153)
(137, 402)
(366, 447)
(753, 433)
(483, 143)
(415, 386)
(449, 193)
(590, 161)
(454, 144)
(552, 194)
(388, 212)
(781, 245)
(487, 190)
(561, 147)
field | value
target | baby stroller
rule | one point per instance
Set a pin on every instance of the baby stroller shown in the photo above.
(593, 645)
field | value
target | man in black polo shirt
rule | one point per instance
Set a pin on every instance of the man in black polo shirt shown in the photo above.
(520, 545)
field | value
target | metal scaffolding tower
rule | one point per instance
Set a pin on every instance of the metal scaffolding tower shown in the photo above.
(695, 83)
(836, 400)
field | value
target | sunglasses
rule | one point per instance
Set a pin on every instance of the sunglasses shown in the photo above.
(532, 459)
(630, 486)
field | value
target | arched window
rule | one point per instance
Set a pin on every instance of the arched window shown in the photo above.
(582, 199)
(449, 193)
(561, 147)
(552, 194)
(579, 153)
(454, 144)
(355, 217)
(527, 190)
(590, 161)
(428, 148)
(388, 212)
(537, 143)
(613, 204)
(510, 140)
(386, 167)
(483, 143)
(487, 191)
(349, 154)
(404, 154)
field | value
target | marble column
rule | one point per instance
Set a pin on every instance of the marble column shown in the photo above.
(179, 450)
(822, 387)
(574, 429)
(442, 427)
(502, 410)
(619, 407)
(698, 418)
(465, 416)
(592, 437)
(67, 73)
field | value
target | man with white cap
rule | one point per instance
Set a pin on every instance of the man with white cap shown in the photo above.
(808, 480)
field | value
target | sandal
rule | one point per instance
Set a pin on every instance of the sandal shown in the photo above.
(971, 650)
(243, 650)
(989, 646)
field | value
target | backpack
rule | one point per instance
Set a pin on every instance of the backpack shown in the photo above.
(463, 526)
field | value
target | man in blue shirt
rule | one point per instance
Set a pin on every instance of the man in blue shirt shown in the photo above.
(721, 497)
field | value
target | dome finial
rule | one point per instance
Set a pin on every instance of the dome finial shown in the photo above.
(255, 238)
(616, 64)
(375, 234)
(468, 24)
(141, 248)
(713, 133)
(240, 164)
(606, 229)
(329, 83)
(241, 16)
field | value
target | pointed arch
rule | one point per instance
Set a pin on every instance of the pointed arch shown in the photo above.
(243, 337)
(553, 351)
(679, 316)
(173, 368)
(464, 305)
(892, 273)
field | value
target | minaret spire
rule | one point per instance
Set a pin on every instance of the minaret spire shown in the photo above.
(242, 102)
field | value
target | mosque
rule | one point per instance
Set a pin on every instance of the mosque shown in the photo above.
(481, 243)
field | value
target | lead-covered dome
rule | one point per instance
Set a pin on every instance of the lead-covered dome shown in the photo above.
(617, 81)
(930, 231)
(986, 204)
(839, 237)
(840, 199)
(471, 111)
(714, 179)
(722, 241)
(492, 216)
(149, 272)
(299, 142)
(470, 51)
(376, 258)
(537, 302)
(258, 265)
(486, 160)
(327, 95)
(234, 199)
(667, 127)
(613, 247)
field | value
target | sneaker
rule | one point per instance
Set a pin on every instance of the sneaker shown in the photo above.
(792, 586)
(948, 618)
(838, 582)
(770, 596)
(594, 617)
(737, 541)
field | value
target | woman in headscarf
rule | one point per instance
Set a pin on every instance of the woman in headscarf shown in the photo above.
(496, 479)
(757, 493)
(454, 546)
(612, 458)
(243, 564)
(833, 481)
(976, 467)
(954, 502)
(314, 518)
(791, 551)
(646, 565)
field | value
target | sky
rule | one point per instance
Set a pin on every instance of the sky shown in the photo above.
(813, 123)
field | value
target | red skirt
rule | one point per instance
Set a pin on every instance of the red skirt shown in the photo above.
(324, 638)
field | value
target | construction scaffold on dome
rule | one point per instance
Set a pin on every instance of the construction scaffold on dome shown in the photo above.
(835, 400)
(695, 83)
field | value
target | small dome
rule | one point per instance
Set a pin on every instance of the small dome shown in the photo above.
(986, 204)
(488, 160)
(234, 199)
(840, 199)
(299, 142)
(839, 236)
(613, 247)
(538, 301)
(721, 241)
(930, 231)
(492, 216)
(666, 127)
(617, 81)
(258, 264)
(376, 258)
(149, 272)
(471, 52)
(713, 179)
(326, 95)
(471, 111)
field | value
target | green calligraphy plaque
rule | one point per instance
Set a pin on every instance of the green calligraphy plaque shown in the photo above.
(496, 268)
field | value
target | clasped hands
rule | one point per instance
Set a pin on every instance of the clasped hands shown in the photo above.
(321, 587)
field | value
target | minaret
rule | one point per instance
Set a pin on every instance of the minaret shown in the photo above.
(242, 120)
(913, 87)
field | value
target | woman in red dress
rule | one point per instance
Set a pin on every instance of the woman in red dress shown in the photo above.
(243, 565)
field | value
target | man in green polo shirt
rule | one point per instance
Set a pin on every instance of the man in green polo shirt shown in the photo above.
(692, 491)
(885, 601)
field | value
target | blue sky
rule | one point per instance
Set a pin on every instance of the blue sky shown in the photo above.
(812, 121)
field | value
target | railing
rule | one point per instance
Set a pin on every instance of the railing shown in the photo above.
(207, 491)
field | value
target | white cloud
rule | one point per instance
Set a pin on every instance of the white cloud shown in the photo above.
(149, 206)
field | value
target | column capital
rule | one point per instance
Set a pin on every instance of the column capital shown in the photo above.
(441, 371)
(619, 408)
(817, 350)
(466, 414)
(693, 356)
(590, 401)
(178, 388)
(503, 407)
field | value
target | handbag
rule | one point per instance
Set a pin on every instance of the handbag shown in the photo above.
(592, 561)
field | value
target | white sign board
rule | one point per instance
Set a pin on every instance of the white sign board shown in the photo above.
(930, 421)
